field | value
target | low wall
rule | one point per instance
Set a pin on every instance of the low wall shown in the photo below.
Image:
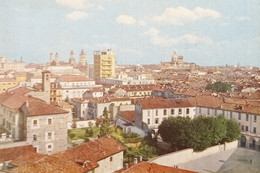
(82, 124)
(187, 155)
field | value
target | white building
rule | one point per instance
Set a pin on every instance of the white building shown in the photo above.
(150, 112)
(74, 86)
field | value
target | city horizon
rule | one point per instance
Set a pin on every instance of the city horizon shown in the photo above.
(206, 33)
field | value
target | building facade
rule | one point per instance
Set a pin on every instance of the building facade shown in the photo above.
(104, 64)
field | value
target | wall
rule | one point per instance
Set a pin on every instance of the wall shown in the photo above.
(82, 124)
(108, 166)
(188, 154)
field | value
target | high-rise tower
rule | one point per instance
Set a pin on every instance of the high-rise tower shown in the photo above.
(104, 64)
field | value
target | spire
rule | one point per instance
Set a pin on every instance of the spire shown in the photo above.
(82, 52)
(71, 52)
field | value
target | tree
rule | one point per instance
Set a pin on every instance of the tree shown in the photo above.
(176, 131)
(219, 87)
(233, 130)
(201, 134)
(219, 129)
(105, 124)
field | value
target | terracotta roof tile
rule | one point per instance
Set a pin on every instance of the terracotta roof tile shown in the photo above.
(27, 158)
(53, 163)
(73, 78)
(145, 167)
(14, 152)
(129, 115)
(21, 90)
(92, 152)
(158, 102)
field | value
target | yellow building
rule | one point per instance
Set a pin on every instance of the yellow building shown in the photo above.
(6, 83)
(104, 64)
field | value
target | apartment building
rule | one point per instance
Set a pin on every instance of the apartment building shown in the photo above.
(150, 112)
(74, 86)
(30, 119)
(104, 64)
(247, 115)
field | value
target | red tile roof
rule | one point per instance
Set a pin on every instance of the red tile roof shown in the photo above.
(145, 167)
(35, 105)
(7, 154)
(49, 164)
(129, 115)
(73, 78)
(158, 102)
(38, 107)
(22, 90)
(27, 158)
(92, 152)
(209, 101)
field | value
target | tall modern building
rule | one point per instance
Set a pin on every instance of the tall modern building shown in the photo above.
(104, 64)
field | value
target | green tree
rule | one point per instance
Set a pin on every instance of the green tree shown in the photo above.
(105, 124)
(219, 129)
(233, 131)
(201, 134)
(176, 131)
(219, 87)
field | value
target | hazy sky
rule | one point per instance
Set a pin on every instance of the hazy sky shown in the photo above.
(139, 31)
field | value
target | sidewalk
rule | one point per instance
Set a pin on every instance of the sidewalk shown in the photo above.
(231, 161)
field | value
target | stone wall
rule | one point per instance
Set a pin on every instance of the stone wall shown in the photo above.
(187, 155)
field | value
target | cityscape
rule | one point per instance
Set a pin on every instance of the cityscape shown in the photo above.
(116, 86)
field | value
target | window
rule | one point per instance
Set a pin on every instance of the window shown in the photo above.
(148, 121)
(254, 130)
(180, 111)
(49, 120)
(246, 117)
(239, 116)
(247, 128)
(172, 111)
(255, 118)
(242, 127)
(187, 111)
(34, 137)
(230, 115)
(156, 120)
(156, 112)
(35, 123)
(148, 112)
(164, 112)
(111, 159)
(49, 136)
(208, 111)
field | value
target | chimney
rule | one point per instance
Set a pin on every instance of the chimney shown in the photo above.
(27, 103)
(135, 161)
(141, 158)
(126, 165)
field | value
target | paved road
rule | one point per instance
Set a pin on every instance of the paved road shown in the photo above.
(232, 161)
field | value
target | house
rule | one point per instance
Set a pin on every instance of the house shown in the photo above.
(150, 112)
(102, 155)
(32, 120)
(74, 86)
(93, 93)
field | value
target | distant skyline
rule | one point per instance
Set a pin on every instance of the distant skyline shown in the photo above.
(140, 32)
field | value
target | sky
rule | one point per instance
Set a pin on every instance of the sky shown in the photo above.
(205, 32)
